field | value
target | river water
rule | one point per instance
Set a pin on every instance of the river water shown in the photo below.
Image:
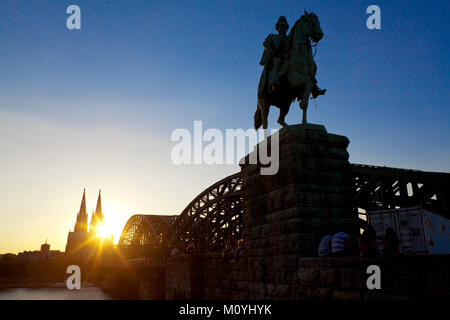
(86, 293)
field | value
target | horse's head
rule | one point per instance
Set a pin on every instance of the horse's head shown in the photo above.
(314, 31)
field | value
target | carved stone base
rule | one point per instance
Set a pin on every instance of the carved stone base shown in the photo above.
(285, 214)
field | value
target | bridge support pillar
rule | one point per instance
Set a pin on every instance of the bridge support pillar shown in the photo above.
(285, 214)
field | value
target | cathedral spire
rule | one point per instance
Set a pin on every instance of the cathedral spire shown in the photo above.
(82, 217)
(83, 204)
(98, 209)
(97, 216)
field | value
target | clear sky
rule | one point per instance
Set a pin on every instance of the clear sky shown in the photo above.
(94, 108)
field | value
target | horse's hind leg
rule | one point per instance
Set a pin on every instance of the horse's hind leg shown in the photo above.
(284, 109)
(264, 106)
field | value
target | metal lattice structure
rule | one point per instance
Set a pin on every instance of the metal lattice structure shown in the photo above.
(378, 188)
(217, 211)
(146, 237)
(212, 215)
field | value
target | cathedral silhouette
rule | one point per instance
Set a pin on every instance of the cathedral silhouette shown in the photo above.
(82, 242)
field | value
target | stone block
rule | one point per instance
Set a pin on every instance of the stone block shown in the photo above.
(309, 277)
(346, 295)
(259, 276)
(318, 293)
(281, 291)
(257, 290)
(376, 295)
(439, 282)
(330, 278)
(242, 285)
(239, 295)
(348, 278)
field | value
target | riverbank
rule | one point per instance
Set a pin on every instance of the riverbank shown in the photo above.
(88, 292)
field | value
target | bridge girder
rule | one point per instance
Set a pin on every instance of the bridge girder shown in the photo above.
(146, 236)
(217, 211)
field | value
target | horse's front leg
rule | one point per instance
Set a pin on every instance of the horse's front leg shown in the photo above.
(305, 99)
(284, 109)
(264, 106)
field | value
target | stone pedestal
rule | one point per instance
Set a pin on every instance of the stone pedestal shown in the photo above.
(285, 214)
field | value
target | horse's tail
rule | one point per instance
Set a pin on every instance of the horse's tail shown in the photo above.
(257, 118)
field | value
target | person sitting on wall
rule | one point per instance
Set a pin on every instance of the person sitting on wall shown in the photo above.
(177, 249)
(340, 244)
(324, 249)
(238, 249)
(368, 243)
(391, 243)
(174, 252)
(230, 246)
(190, 249)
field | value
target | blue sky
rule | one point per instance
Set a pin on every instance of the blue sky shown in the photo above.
(95, 107)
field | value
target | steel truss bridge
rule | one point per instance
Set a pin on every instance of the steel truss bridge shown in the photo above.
(217, 211)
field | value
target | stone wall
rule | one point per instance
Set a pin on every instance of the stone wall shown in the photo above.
(152, 284)
(224, 280)
(126, 282)
(284, 217)
(343, 278)
(184, 277)
(402, 278)
(207, 277)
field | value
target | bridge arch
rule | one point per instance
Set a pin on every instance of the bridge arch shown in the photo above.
(146, 237)
(206, 221)
(212, 215)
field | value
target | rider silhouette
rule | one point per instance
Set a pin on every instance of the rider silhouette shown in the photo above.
(274, 49)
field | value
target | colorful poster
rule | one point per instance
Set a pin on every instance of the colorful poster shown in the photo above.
(437, 231)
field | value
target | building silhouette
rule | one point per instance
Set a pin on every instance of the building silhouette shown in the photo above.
(82, 242)
(97, 215)
(44, 254)
(45, 249)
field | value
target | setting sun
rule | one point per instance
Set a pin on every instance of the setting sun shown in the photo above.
(103, 231)
(112, 225)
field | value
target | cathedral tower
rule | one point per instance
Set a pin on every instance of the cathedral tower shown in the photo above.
(97, 216)
(82, 218)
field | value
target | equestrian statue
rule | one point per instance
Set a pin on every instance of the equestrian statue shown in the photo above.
(289, 69)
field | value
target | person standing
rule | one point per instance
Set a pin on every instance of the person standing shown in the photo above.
(391, 243)
(368, 243)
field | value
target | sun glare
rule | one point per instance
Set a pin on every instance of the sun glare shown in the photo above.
(103, 231)
(111, 226)
(115, 219)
